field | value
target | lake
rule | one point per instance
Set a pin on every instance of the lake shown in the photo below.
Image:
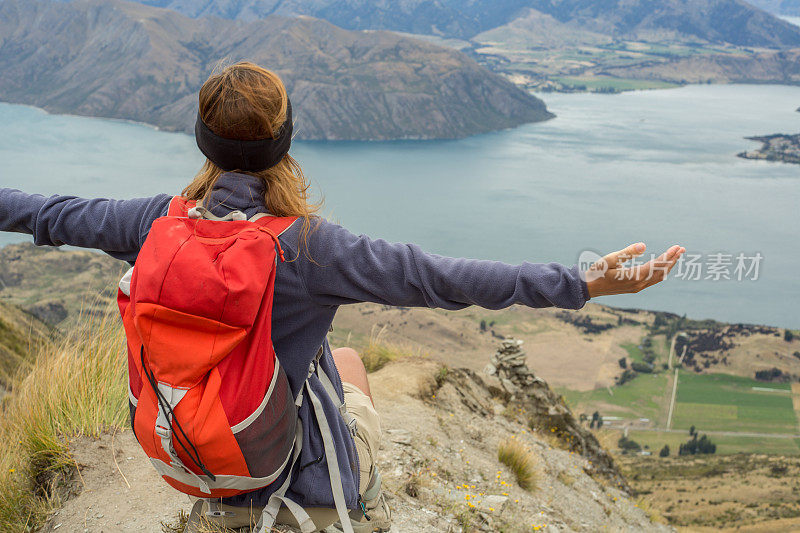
(793, 20)
(656, 166)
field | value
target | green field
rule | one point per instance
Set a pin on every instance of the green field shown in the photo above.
(642, 397)
(721, 402)
(634, 352)
(710, 402)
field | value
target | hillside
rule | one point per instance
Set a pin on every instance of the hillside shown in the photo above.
(56, 286)
(115, 59)
(731, 21)
(762, 67)
(570, 45)
(649, 375)
(533, 29)
(753, 493)
(717, 21)
(439, 463)
(20, 336)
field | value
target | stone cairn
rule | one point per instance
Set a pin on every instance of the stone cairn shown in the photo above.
(546, 410)
(508, 364)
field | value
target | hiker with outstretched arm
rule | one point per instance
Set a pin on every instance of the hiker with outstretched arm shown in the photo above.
(235, 393)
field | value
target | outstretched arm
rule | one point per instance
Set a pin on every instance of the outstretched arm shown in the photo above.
(349, 269)
(117, 227)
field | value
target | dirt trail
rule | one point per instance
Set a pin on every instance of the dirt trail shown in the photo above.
(106, 503)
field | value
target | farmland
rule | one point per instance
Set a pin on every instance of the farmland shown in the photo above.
(725, 406)
(721, 402)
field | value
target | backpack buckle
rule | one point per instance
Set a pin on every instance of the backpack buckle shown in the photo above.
(352, 425)
(163, 432)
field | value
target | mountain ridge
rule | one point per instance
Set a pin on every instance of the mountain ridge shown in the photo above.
(779, 7)
(733, 21)
(119, 59)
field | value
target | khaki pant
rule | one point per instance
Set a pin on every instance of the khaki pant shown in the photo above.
(367, 440)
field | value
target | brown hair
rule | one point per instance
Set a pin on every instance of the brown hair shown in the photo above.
(246, 102)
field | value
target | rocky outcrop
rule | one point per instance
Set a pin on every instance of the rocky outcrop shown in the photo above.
(442, 429)
(545, 410)
(785, 148)
(115, 59)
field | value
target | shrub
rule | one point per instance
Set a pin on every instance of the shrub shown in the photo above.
(628, 445)
(643, 368)
(788, 335)
(597, 421)
(519, 460)
(623, 363)
(773, 374)
(664, 451)
(695, 446)
(625, 377)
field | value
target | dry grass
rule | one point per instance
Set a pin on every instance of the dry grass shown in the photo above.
(178, 526)
(75, 387)
(519, 459)
(378, 353)
(652, 513)
(712, 493)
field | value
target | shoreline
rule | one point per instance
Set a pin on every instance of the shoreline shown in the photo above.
(779, 147)
(542, 94)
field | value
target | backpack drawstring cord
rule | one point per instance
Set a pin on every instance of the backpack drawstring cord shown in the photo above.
(274, 238)
(165, 406)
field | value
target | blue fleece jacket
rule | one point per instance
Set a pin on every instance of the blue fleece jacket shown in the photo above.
(346, 268)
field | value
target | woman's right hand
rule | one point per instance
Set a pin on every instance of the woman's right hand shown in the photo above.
(608, 275)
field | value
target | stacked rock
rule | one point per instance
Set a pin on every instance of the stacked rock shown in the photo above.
(508, 364)
(545, 410)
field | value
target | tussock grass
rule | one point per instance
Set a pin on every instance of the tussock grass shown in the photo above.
(178, 526)
(519, 459)
(651, 512)
(378, 353)
(77, 386)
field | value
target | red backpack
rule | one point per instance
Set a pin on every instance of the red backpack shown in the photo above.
(210, 404)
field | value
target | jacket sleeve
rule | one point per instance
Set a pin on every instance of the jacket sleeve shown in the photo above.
(347, 269)
(118, 227)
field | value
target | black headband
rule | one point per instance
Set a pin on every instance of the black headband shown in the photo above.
(250, 156)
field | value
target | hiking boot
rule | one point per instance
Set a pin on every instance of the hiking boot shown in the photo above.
(225, 518)
(376, 514)
(221, 519)
(198, 523)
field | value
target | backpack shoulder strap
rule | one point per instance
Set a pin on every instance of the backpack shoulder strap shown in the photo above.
(276, 225)
(179, 207)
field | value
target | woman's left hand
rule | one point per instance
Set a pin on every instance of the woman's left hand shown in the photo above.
(609, 276)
